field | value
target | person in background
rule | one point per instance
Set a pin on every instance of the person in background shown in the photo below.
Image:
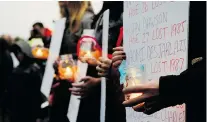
(79, 17)
(8, 38)
(92, 85)
(39, 31)
(23, 87)
(188, 87)
(6, 67)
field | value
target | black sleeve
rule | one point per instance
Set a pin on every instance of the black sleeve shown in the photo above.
(178, 89)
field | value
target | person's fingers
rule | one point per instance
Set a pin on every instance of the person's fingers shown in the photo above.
(82, 59)
(77, 93)
(107, 61)
(141, 88)
(105, 66)
(137, 100)
(91, 62)
(101, 59)
(99, 69)
(118, 57)
(118, 48)
(102, 74)
(76, 89)
(79, 85)
(117, 53)
(117, 63)
(139, 108)
(86, 78)
(99, 62)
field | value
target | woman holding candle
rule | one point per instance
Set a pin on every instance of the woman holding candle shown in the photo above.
(79, 17)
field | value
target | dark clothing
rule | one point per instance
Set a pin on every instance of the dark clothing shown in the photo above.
(6, 66)
(114, 28)
(189, 86)
(24, 96)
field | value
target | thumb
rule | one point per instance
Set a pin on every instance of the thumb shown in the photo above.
(136, 89)
(85, 78)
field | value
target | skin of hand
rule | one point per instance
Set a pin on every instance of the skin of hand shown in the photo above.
(148, 102)
(103, 66)
(90, 61)
(84, 88)
(118, 56)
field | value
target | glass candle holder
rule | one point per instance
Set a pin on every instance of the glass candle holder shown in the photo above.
(134, 76)
(88, 52)
(67, 68)
(40, 52)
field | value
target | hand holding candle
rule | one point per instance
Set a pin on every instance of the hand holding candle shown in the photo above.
(150, 93)
(103, 66)
(85, 86)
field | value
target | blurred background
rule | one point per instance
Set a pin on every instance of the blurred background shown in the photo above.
(17, 17)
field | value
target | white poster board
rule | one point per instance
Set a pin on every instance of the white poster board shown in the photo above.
(53, 55)
(156, 35)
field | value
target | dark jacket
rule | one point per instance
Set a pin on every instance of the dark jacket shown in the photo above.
(24, 96)
(189, 87)
(6, 65)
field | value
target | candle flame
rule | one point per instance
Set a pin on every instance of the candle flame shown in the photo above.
(68, 72)
(88, 54)
(39, 52)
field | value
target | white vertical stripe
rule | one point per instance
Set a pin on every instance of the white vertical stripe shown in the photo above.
(104, 54)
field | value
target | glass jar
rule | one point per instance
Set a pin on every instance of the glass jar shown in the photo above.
(134, 76)
(67, 68)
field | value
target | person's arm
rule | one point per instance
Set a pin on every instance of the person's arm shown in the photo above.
(177, 89)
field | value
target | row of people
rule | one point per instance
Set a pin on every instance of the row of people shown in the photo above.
(24, 97)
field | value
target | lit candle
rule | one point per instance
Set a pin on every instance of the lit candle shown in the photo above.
(88, 54)
(39, 53)
(68, 72)
(133, 80)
